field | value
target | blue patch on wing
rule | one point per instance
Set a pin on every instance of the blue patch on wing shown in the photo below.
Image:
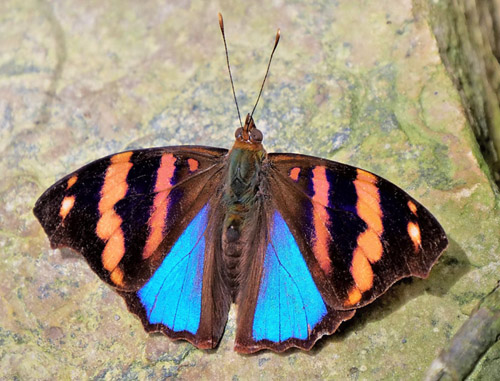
(289, 304)
(173, 294)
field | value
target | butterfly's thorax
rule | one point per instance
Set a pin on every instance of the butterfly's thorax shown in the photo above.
(240, 194)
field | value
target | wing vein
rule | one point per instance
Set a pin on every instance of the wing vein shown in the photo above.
(295, 284)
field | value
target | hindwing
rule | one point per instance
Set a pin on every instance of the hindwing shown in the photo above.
(187, 297)
(282, 305)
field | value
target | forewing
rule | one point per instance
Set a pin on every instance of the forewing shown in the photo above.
(358, 232)
(124, 212)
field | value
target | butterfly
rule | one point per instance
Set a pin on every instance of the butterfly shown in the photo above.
(297, 242)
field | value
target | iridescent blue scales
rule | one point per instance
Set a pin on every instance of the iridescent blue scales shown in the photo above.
(289, 304)
(172, 296)
(297, 243)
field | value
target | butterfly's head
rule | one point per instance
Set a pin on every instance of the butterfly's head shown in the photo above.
(249, 134)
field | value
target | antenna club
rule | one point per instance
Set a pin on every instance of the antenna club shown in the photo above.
(278, 35)
(221, 21)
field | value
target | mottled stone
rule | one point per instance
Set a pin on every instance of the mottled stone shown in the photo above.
(358, 82)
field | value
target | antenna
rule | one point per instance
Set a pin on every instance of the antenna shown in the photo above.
(267, 71)
(221, 24)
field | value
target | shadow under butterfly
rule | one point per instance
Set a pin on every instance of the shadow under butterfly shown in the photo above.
(297, 242)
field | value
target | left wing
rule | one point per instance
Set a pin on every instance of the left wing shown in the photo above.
(146, 222)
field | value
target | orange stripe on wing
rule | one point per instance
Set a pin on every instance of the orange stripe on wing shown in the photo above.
(369, 242)
(66, 205)
(113, 251)
(160, 204)
(115, 182)
(294, 173)
(353, 297)
(366, 176)
(414, 233)
(116, 276)
(71, 181)
(368, 204)
(123, 157)
(193, 164)
(361, 270)
(412, 207)
(109, 225)
(321, 219)
(369, 246)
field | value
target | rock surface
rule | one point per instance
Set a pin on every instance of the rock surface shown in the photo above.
(357, 82)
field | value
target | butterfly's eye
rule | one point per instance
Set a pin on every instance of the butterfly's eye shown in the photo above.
(256, 135)
(238, 133)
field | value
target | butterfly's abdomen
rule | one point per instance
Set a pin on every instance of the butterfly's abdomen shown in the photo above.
(240, 194)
